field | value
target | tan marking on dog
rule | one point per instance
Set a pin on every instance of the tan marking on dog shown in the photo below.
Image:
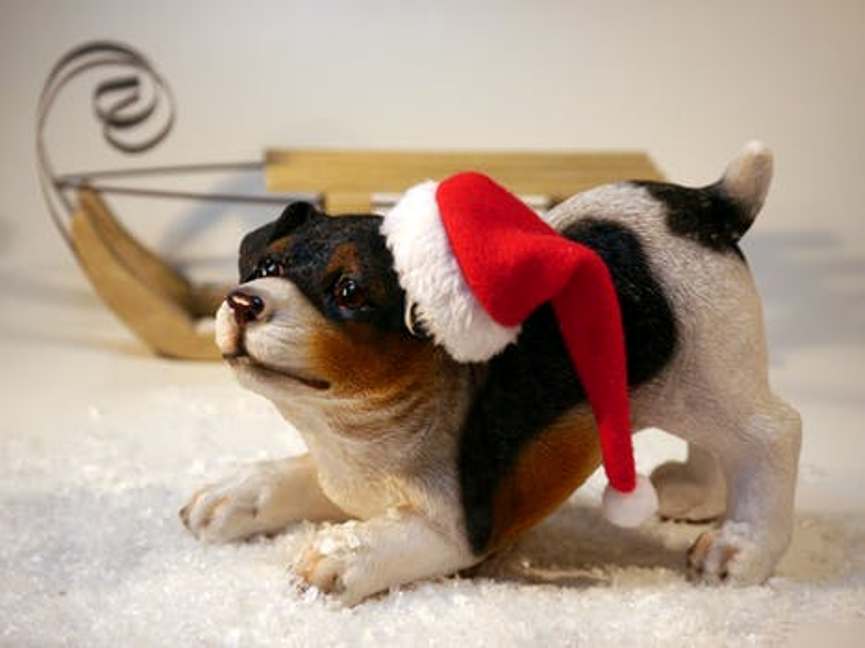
(697, 553)
(356, 357)
(547, 471)
(416, 390)
(346, 259)
(307, 562)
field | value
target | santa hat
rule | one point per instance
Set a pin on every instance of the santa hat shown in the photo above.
(475, 262)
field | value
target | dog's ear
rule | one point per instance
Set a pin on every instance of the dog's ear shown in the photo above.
(253, 243)
(293, 216)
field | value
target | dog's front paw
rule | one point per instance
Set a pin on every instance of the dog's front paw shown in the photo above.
(231, 509)
(732, 554)
(338, 561)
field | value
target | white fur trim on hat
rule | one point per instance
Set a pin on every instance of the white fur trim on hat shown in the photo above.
(630, 509)
(429, 274)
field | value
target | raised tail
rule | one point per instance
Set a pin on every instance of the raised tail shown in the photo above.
(745, 184)
(718, 215)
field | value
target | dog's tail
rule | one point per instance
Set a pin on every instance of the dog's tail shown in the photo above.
(744, 186)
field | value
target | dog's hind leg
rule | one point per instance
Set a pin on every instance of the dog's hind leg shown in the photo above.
(263, 497)
(693, 490)
(759, 459)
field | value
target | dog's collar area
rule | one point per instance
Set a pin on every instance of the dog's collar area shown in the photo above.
(242, 358)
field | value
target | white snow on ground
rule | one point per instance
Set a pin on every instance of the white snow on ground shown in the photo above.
(100, 445)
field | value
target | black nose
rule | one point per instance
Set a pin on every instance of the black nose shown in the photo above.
(246, 307)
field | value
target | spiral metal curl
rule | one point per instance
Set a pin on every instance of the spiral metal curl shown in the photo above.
(118, 105)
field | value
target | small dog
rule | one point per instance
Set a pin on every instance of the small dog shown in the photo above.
(430, 465)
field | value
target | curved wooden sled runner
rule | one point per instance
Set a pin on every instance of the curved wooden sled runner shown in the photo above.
(156, 302)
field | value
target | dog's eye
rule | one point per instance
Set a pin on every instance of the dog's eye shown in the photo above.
(268, 267)
(348, 294)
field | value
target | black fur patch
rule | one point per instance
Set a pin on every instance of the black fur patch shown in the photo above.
(307, 259)
(532, 383)
(705, 215)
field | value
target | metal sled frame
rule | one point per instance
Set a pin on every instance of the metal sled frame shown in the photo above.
(160, 305)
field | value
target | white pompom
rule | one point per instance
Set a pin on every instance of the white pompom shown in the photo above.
(630, 509)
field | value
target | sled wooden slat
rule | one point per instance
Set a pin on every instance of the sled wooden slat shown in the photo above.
(348, 178)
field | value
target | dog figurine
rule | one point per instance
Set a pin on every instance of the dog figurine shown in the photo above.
(425, 465)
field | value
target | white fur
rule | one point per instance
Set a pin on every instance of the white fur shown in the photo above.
(356, 559)
(260, 498)
(429, 274)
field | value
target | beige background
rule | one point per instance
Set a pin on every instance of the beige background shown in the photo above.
(687, 81)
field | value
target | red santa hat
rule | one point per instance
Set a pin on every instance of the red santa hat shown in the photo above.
(476, 262)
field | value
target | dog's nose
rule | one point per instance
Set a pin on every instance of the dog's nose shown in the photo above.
(246, 308)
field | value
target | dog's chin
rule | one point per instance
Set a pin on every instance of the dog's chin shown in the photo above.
(258, 374)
